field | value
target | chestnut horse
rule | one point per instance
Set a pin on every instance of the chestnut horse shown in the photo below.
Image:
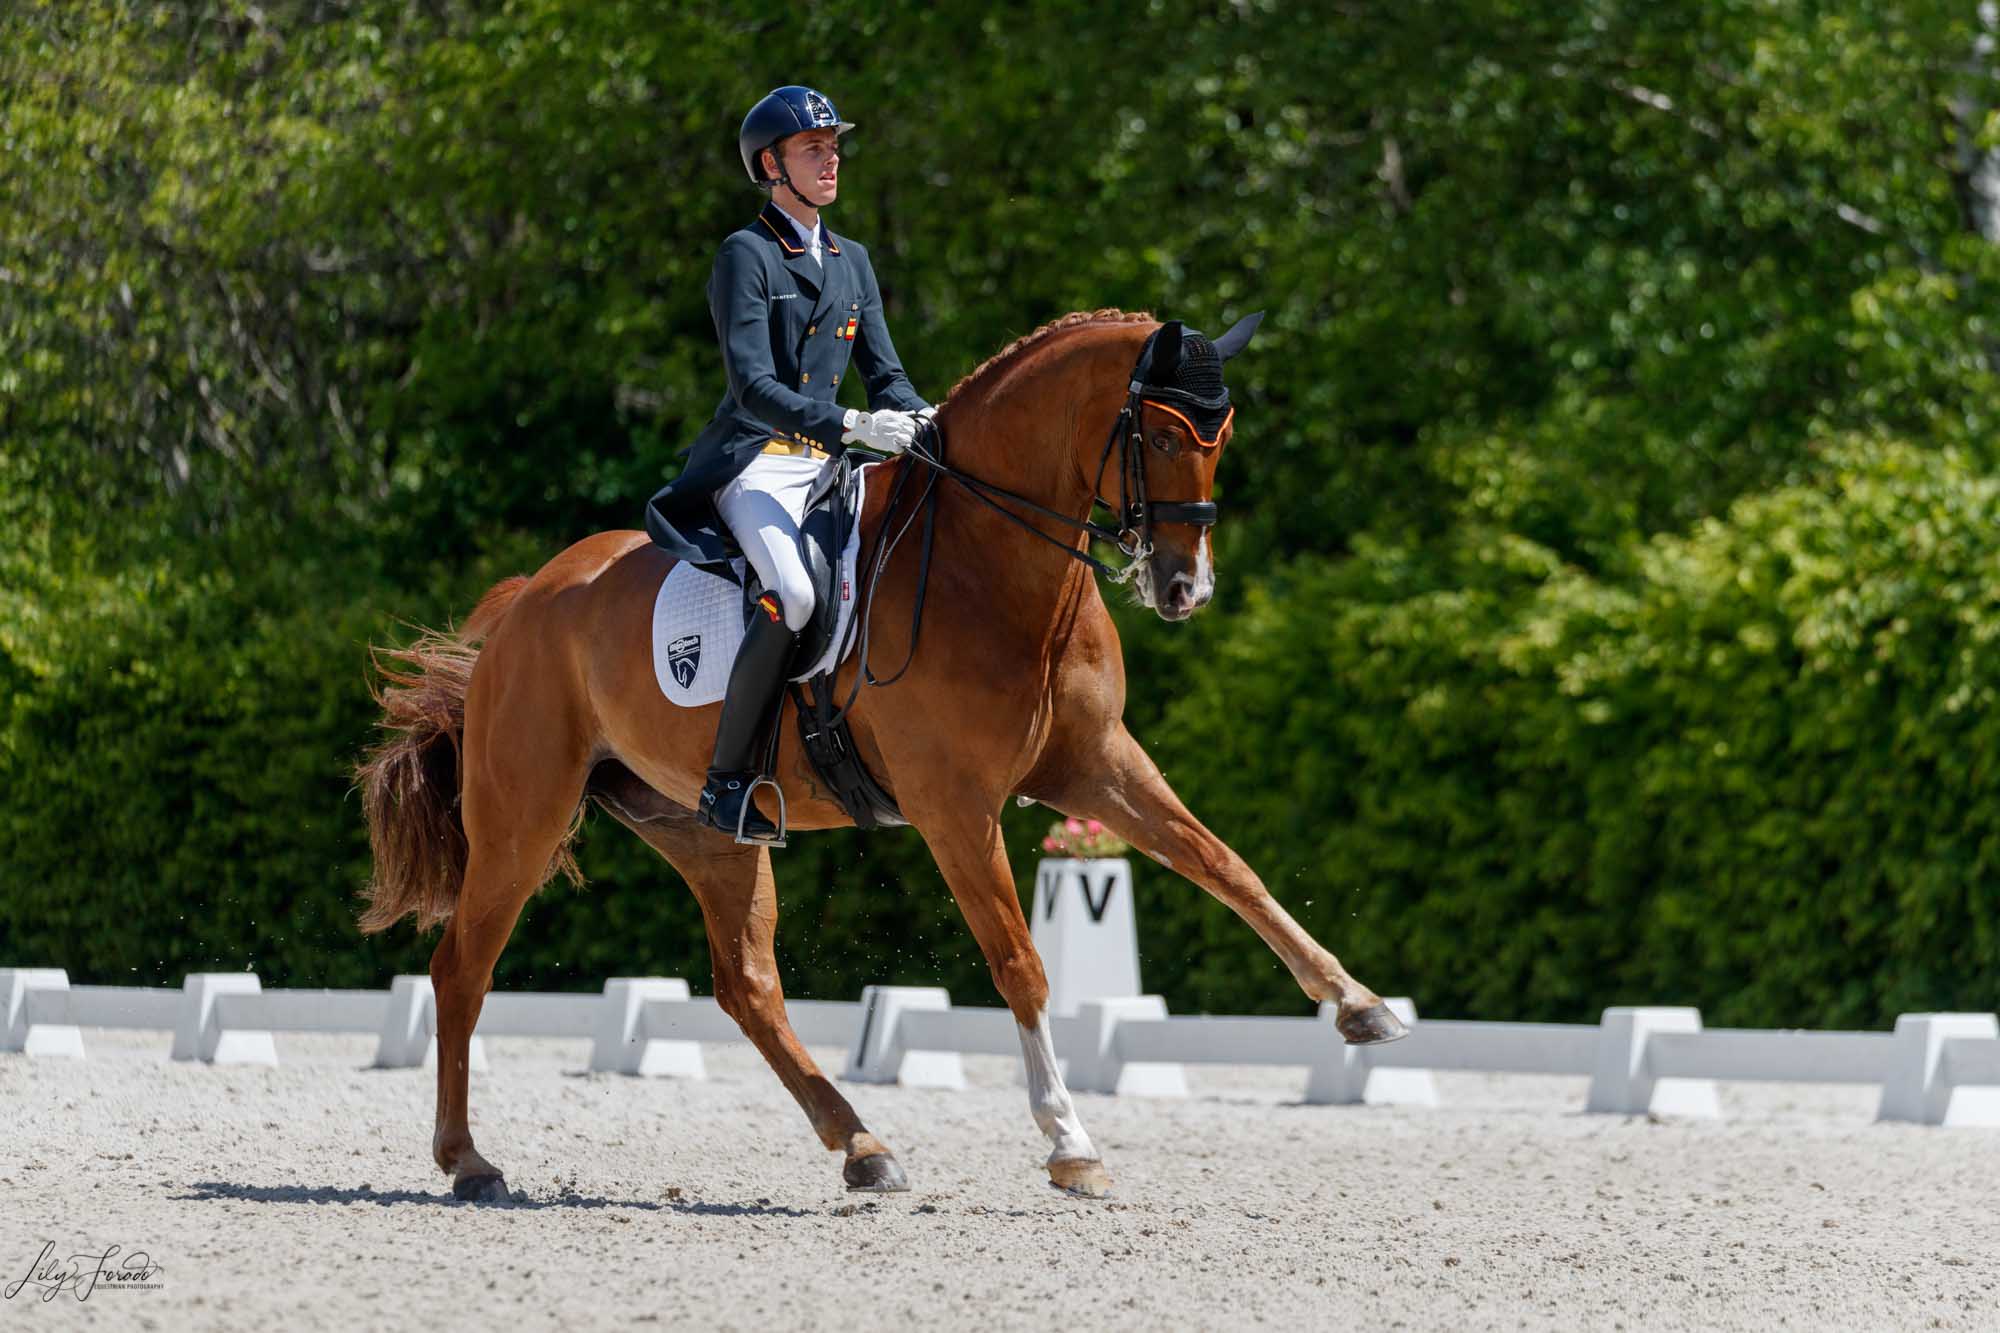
(1019, 690)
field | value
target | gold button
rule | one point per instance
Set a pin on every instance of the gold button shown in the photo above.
(805, 379)
(836, 379)
(812, 329)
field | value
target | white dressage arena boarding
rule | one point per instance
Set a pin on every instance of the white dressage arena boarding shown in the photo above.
(1934, 1069)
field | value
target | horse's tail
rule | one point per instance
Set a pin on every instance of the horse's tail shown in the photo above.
(409, 781)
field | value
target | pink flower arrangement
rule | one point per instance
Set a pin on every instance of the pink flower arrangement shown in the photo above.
(1083, 838)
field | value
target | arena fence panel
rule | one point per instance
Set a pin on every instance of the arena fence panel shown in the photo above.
(1936, 1069)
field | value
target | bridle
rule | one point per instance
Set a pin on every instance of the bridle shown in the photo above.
(1137, 512)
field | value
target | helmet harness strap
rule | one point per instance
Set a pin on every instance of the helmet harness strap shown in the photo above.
(777, 152)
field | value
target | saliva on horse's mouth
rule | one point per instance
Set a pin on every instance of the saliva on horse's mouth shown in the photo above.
(1146, 592)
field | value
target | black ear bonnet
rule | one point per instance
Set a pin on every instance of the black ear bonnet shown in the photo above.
(1180, 370)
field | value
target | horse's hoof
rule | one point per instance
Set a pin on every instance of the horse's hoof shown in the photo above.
(481, 1189)
(1372, 1026)
(877, 1173)
(1083, 1178)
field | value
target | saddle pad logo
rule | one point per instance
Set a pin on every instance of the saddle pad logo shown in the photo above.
(684, 658)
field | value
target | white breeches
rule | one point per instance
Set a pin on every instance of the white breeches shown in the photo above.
(763, 508)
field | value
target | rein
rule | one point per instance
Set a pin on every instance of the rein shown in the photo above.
(1133, 536)
(984, 491)
(1136, 514)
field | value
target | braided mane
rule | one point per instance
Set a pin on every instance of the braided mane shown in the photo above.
(1026, 341)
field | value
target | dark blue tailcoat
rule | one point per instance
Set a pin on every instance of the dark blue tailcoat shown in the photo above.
(788, 328)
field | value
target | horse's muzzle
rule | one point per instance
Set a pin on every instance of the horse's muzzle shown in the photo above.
(1179, 583)
(1182, 596)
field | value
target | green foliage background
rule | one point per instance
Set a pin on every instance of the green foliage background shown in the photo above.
(1607, 606)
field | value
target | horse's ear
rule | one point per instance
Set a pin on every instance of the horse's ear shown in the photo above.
(1166, 353)
(1238, 337)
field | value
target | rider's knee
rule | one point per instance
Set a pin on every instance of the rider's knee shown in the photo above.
(795, 599)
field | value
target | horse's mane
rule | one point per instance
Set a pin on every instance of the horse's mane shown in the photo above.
(1006, 355)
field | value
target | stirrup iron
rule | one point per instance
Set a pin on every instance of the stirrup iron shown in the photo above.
(743, 813)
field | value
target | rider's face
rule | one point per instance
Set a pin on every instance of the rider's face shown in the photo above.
(812, 159)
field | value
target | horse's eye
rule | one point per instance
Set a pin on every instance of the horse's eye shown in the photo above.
(1164, 443)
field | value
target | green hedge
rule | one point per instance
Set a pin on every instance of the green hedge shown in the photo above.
(177, 754)
(1756, 782)
(1558, 659)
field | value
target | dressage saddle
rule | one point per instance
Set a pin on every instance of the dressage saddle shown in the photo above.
(831, 513)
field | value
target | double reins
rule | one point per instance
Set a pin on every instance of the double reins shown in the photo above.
(1133, 536)
(1136, 513)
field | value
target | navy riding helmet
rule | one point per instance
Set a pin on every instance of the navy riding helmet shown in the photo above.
(782, 112)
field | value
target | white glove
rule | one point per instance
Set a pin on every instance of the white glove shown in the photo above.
(927, 413)
(887, 432)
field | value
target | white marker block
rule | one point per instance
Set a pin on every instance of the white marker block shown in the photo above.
(1623, 1083)
(40, 1039)
(1345, 1075)
(1920, 1086)
(879, 1056)
(409, 1029)
(1084, 929)
(1095, 1065)
(620, 1044)
(198, 1033)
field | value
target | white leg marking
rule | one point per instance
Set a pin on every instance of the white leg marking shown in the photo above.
(1049, 1099)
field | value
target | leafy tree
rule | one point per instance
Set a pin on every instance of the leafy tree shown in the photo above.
(1604, 538)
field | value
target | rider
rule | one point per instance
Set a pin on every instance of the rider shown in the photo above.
(792, 303)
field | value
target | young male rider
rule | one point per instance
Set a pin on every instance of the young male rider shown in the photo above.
(792, 304)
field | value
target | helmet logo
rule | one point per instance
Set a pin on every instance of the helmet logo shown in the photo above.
(819, 109)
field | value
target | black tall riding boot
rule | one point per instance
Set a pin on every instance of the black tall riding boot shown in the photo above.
(754, 682)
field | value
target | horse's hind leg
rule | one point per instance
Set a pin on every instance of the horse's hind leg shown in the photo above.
(739, 904)
(1120, 785)
(518, 814)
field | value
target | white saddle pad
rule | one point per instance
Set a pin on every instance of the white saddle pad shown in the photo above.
(698, 624)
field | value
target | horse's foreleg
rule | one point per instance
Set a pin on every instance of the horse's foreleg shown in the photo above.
(969, 851)
(741, 912)
(1123, 788)
(739, 906)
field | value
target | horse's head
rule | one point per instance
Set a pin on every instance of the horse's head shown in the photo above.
(1182, 419)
